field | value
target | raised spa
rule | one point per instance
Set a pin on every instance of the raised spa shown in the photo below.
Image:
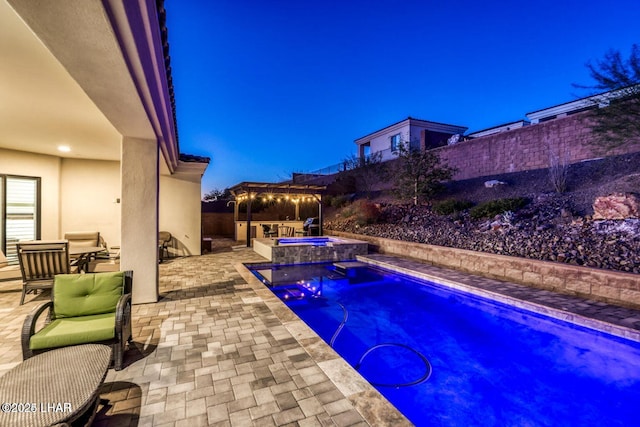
(296, 250)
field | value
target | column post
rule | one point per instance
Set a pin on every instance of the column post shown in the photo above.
(139, 212)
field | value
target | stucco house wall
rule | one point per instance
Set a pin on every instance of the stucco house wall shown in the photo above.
(180, 214)
(90, 198)
(48, 169)
(84, 195)
(382, 142)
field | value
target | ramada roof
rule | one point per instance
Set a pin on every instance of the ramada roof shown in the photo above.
(275, 188)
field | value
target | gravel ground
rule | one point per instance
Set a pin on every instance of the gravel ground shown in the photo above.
(553, 227)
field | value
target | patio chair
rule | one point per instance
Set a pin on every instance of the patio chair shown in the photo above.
(268, 231)
(164, 238)
(109, 261)
(39, 262)
(84, 238)
(286, 231)
(92, 308)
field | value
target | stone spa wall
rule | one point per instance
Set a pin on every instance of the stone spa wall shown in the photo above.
(300, 253)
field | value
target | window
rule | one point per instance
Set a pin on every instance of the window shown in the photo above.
(395, 142)
(19, 212)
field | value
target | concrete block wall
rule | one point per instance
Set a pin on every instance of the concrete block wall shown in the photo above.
(527, 148)
(603, 285)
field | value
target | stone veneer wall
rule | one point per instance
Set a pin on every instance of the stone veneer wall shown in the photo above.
(610, 286)
(526, 148)
(298, 254)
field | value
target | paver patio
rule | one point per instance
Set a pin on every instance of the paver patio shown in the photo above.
(219, 349)
(212, 352)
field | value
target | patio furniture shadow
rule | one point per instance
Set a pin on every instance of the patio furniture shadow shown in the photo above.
(138, 350)
(112, 393)
(228, 287)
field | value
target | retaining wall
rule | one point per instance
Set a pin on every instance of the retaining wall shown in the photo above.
(527, 148)
(604, 285)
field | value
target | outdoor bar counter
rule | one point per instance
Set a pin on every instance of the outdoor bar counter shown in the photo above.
(256, 228)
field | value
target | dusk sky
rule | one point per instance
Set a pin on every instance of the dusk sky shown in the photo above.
(270, 87)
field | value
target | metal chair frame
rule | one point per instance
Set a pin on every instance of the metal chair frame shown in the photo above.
(39, 262)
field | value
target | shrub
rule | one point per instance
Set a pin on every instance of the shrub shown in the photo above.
(366, 212)
(496, 207)
(347, 211)
(339, 201)
(558, 172)
(448, 207)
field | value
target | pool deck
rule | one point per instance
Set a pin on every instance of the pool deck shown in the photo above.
(219, 349)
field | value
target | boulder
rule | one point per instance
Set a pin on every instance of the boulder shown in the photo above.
(494, 182)
(617, 206)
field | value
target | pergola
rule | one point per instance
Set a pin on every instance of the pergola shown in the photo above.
(248, 191)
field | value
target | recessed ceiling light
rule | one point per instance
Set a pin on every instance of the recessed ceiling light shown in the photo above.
(64, 148)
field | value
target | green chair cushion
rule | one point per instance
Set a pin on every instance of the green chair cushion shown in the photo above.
(86, 294)
(74, 331)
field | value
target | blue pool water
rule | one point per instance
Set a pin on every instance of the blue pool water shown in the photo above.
(492, 364)
(314, 241)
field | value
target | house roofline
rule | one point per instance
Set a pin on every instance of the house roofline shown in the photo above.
(413, 119)
(523, 121)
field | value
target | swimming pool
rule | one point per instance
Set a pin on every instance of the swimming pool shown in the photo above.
(492, 364)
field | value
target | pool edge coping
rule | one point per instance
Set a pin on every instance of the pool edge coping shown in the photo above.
(555, 313)
(330, 366)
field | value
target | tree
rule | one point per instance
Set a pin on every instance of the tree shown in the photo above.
(367, 170)
(419, 174)
(618, 123)
(217, 194)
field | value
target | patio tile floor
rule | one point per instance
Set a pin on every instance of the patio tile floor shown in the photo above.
(219, 349)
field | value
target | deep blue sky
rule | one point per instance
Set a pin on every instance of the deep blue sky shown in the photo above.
(270, 87)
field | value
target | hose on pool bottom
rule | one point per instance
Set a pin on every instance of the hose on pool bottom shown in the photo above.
(427, 364)
(345, 317)
(423, 378)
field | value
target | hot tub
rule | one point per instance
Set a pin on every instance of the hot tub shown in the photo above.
(297, 250)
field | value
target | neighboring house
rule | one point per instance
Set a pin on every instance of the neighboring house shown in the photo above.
(421, 134)
(87, 131)
(497, 129)
(566, 109)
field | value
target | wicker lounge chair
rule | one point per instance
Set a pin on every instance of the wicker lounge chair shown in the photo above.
(40, 261)
(86, 308)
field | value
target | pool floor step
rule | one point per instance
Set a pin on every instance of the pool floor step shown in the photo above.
(344, 266)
